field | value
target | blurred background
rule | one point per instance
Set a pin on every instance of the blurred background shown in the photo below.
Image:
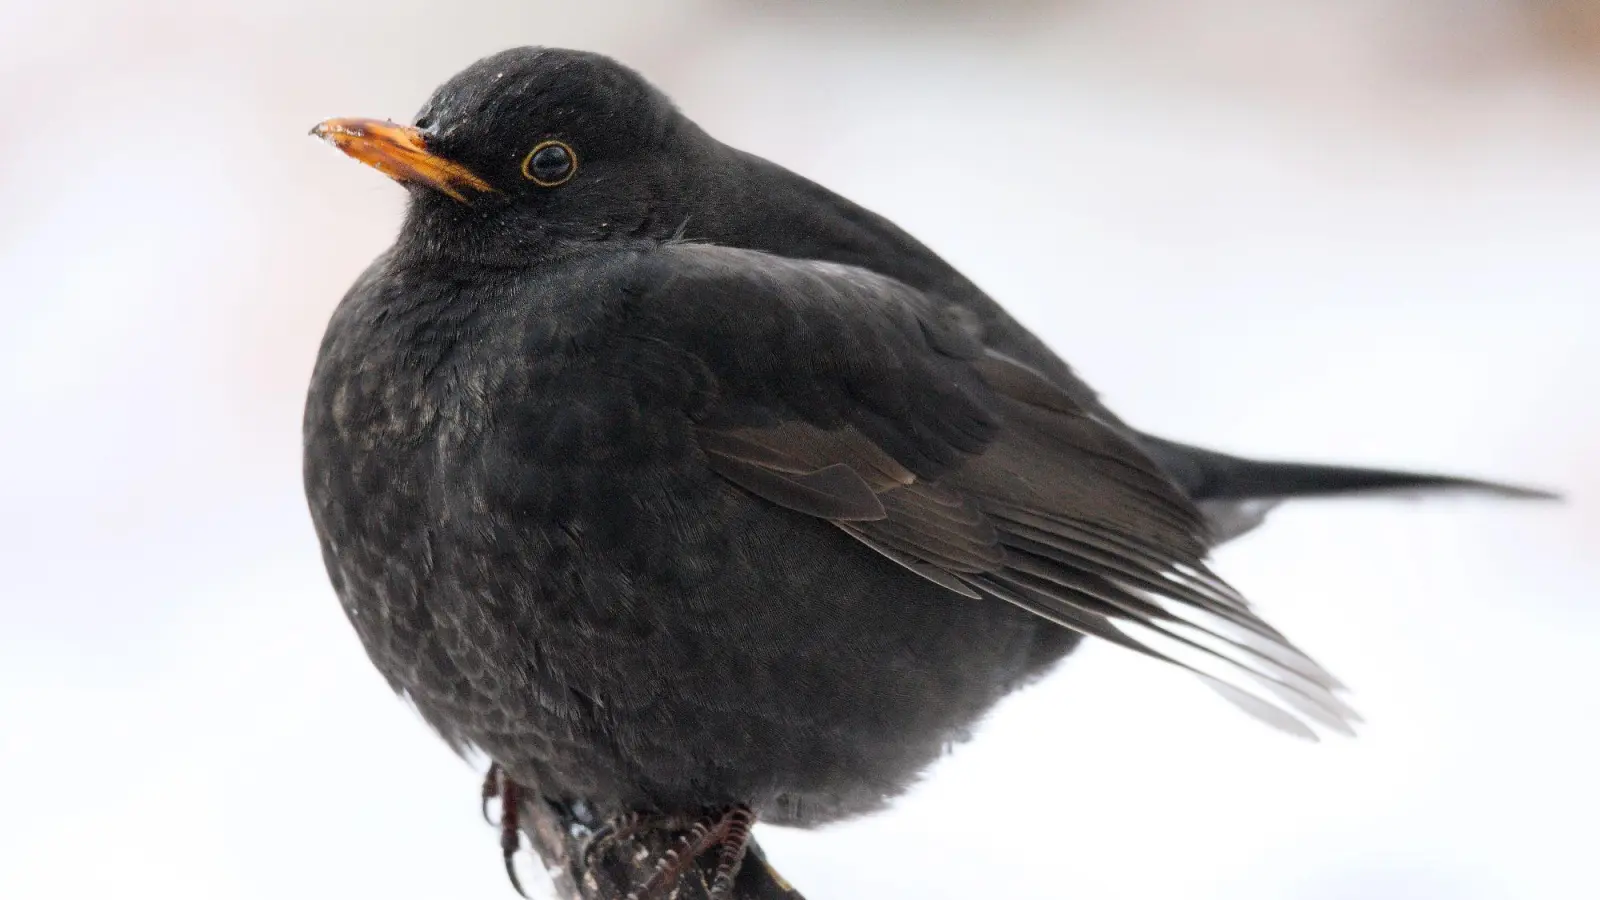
(1365, 230)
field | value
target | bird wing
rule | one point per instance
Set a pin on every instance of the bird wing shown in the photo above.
(852, 398)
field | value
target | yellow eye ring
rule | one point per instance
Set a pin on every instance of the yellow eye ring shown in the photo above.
(550, 178)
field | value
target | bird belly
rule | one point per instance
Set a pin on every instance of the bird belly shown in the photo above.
(673, 643)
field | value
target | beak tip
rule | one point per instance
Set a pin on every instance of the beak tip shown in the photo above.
(332, 129)
(400, 152)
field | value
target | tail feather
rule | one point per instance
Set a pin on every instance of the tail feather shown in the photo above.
(1236, 493)
(1209, 475)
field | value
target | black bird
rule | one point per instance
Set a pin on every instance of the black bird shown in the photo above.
(694, 494)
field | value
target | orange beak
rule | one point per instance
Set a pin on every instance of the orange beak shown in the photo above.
(400, 152)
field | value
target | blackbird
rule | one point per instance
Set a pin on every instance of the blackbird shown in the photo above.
(693, 494)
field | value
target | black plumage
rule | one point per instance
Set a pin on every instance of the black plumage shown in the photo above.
(674, 482)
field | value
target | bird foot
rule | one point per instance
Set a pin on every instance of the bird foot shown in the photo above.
(726, 831)
(497, 784)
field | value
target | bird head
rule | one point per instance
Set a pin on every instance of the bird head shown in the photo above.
(531, 149)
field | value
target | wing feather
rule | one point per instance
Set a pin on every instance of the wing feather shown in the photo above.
(847, 397)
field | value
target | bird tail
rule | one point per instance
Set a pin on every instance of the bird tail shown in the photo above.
(1236, 492)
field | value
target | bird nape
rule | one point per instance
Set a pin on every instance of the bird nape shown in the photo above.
(694, 495)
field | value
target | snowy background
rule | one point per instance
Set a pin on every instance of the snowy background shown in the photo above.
(1365, 230)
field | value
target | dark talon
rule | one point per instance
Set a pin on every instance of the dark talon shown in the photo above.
(491, 789)
(511, 873)
(497, 784)
(510, 833)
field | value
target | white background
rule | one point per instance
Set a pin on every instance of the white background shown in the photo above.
(1366, 231)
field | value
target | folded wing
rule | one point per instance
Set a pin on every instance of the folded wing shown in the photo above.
(856, 400)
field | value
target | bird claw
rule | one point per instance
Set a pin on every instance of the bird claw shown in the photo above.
(727, 831)
(511, 873)
(497, 784)
(490, 790)
(620, 828)
(731, 851)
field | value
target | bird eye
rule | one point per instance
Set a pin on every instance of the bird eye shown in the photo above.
(549, 164)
